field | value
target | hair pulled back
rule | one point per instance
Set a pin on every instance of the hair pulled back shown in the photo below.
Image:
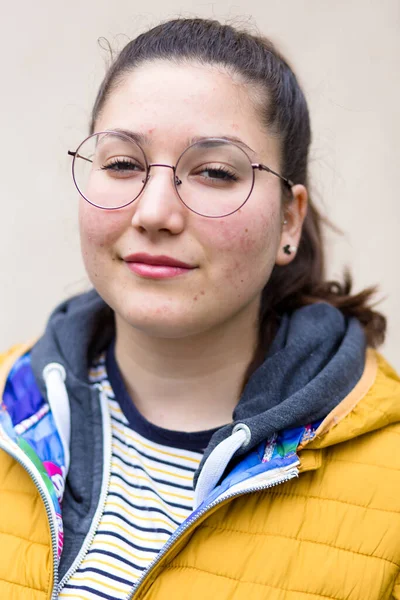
(284, 111)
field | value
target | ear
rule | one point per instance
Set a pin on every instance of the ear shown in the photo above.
(293, 216)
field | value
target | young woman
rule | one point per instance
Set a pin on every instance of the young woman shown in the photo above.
(212, 420)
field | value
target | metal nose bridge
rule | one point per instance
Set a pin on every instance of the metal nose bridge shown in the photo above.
(161, 165)
(176, 179)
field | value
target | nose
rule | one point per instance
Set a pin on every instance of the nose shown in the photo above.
(159, 207)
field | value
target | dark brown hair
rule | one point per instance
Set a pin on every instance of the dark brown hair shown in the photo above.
(284, 111)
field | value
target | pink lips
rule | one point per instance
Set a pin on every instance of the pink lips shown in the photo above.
(156, 267)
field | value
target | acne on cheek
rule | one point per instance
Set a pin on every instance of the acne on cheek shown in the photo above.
(200, 294)
(247, 246)
(246, 239)
(236, 243)
(247, 242)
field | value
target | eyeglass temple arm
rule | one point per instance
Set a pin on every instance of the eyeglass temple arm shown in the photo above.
(261, 167)
(76, 155)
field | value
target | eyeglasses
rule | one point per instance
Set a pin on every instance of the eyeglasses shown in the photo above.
(212, 177)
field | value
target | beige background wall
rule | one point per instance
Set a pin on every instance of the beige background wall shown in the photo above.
(346, 53)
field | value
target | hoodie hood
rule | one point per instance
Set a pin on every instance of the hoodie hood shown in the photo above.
(315, 360)
(76, 332)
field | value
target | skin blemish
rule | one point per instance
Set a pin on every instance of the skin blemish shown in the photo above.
(150, 130)
(246, 230)
(202, 292)
(195, 298)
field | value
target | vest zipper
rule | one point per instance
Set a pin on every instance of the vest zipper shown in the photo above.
(45, 495)
(289, 473)
(103, 494)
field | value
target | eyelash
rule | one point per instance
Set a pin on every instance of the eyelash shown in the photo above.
(122, 164)
(220, 169)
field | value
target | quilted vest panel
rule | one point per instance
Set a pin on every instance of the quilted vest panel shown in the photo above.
(25, 542)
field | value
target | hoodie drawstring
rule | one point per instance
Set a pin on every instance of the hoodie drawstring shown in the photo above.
(218, 460)
(54, 376)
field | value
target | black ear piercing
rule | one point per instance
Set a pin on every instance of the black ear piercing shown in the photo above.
(288, 249)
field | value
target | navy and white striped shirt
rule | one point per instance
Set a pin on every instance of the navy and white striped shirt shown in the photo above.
(150, 493)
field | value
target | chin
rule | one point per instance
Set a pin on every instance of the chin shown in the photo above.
(167, 328)
(162, 320)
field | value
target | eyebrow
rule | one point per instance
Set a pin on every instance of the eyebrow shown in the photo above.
(228, 138)
(140, 138)
(143, 139)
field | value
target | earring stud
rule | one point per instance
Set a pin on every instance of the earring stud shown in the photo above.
(288, 249)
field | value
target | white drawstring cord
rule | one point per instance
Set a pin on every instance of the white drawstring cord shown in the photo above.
(218, 460)
(54, 376)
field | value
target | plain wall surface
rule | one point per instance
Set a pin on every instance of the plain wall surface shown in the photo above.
(347, 56)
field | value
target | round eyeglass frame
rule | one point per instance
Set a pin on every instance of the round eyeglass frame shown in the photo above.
(261, 167)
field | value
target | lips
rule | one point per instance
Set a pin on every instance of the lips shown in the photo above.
(160, 261)
(156, 267)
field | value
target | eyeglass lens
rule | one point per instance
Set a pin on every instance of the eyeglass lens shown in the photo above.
(213, 177)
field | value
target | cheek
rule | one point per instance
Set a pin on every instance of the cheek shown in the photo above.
(241, 253)
(99, 233)
(245, 246)
(99, 228)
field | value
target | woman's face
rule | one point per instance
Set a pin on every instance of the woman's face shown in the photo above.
(231, 257)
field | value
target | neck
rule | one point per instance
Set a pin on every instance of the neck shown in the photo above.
(187, 384)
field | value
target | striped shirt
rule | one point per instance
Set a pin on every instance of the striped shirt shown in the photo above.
(150, 495)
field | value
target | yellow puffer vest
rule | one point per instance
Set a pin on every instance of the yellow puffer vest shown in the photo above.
(332, 533)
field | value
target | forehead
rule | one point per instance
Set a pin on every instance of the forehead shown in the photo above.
(171, 104)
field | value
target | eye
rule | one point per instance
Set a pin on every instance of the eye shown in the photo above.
(122, 166)
(218, 174)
